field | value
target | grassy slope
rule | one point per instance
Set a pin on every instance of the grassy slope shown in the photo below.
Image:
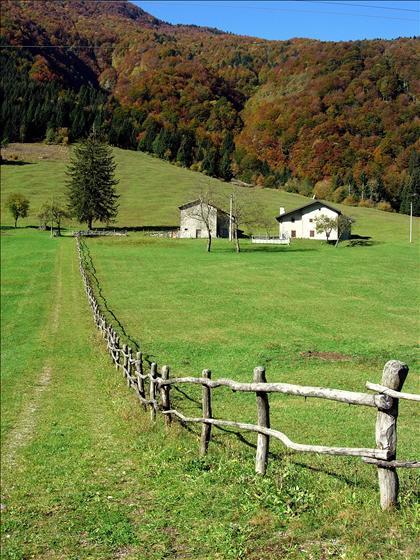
(151, 191)
(89, 478)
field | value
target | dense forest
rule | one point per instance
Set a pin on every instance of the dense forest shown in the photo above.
(338, 120)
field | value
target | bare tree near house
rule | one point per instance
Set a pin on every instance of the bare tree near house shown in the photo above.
(204, 210)
(262, 220)
(245, 212)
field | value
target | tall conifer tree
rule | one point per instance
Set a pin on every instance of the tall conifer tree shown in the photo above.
(91, 185)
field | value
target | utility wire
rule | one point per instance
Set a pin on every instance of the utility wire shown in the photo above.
(339, 3)
(269, 9)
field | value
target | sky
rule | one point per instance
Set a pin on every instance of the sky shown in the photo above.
(334, 20)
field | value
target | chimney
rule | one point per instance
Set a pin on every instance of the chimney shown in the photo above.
(282, 210)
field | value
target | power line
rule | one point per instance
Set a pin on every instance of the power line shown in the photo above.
(268, 9)
(339, 3)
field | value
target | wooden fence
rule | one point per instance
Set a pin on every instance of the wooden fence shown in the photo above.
(153, 391)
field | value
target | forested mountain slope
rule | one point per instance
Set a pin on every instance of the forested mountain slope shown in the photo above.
(340, 119)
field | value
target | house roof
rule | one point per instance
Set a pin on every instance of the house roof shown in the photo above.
(196, 202)
(312, 203)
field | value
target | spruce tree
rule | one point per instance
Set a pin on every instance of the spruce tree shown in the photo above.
(411, 191)
(91, 185)
(185, 154)
(225, 168)
(210, 164)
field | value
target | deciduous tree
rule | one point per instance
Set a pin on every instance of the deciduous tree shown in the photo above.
(343, 224)
(204, 210)
(325, 224)
(18, 206)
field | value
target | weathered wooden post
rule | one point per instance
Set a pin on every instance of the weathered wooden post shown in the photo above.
(207, 413)
(140, 380)
(117, 351)
(263, 411)
(110, 342)
(129, 366)
(164, 395)
(125, 359)
(393, 376)
(152, 391)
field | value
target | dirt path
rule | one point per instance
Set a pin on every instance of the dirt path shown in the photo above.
(25, 425)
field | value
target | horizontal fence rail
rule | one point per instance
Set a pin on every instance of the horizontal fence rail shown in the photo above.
(349, 397)
(153, 387)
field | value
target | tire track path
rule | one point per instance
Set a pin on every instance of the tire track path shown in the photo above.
(25, 425)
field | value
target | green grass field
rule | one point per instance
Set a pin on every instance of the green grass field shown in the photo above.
(151, 191)
(85, 475)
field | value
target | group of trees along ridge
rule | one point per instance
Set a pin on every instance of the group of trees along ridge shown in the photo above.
(338, 120)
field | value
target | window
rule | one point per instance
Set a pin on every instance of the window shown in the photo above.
(311, 233)
(293, 232)
(185, 229)
(311, 220)
(292, 220)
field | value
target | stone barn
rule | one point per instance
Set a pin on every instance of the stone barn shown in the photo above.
(300, 222)
(195, 215)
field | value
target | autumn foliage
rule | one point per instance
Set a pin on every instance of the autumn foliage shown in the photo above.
(300, 114)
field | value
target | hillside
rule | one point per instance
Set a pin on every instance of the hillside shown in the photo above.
(345, 112)
(151, 191)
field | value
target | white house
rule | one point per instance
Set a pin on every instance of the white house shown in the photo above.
(195, 215)
(300, 222)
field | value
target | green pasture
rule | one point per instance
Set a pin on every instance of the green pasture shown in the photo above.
(151, 190)
(270, 307)
(84, 473)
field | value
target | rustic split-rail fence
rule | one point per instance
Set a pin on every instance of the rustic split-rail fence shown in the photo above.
(152, 387)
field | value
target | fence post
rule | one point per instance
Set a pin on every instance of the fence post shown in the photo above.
(110, 342)
(263, 410)
(125, 359)
(393, 376)
(140, 380)
(207, 413)
(164, 395)
(117, 351)
(152, 391)
(129, 366)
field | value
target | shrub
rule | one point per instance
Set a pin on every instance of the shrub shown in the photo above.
(366, 203)
(384, 206)
(350, 200)
(323, 189)
(339, 194)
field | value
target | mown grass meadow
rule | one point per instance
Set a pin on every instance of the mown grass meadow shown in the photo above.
(84, 473)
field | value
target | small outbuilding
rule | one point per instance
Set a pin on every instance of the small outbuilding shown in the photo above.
(300, 222)
(197, 214)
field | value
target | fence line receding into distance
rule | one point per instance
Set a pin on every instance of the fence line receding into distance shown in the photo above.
(153, 391)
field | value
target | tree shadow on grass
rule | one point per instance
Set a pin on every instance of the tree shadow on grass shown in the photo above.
(219, 440)
(93, 274)
(18, 227)
(265, 249)
(16, 162)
